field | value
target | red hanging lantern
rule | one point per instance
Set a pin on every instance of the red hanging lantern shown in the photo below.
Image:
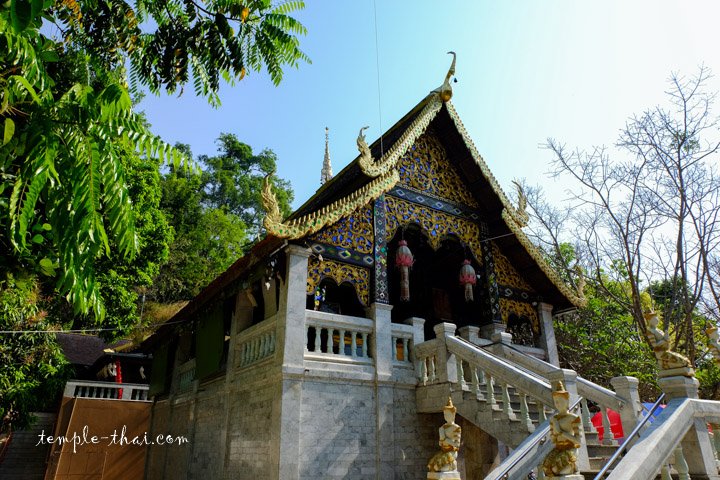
(468, 278)
(404, 260)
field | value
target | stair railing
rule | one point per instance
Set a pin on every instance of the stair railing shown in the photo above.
(629, 439)
(496, 371)
(628, 406)
(681, 417)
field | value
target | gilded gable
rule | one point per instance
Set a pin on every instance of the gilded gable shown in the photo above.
(426, 167)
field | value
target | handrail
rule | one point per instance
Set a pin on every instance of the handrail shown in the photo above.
(635, 432)
(586, 388)
(505, 360)
(540, 438)
(501, 369)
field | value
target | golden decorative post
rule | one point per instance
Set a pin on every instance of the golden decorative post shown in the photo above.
(443, 465)
(566, 434)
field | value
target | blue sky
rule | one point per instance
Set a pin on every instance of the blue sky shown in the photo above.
(526, 70)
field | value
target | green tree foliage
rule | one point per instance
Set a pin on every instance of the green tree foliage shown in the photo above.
(217, 216)
(121, 279)
(66, 115)
(232, 182)
(33, 367)
(61, 171)
(170, 43)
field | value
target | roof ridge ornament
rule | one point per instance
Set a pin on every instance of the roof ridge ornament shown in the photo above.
(519, 214)
(445, 90)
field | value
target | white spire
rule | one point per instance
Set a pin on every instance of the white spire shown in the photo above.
(326, 173)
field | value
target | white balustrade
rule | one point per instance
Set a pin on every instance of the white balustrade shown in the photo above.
(106, 390)
(337, 338)
(256, 344)
(402, 336)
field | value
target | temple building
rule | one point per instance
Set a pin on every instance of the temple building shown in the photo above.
(330, 350)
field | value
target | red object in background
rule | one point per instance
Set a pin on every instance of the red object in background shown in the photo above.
(615, 424)
(118, 378)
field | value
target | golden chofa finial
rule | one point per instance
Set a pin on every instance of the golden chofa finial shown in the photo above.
(445, 91)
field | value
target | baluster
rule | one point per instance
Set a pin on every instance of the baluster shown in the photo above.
(680, 464)
(255, 348)
(541, 412)
(353, 343)
(394, 348)
(490, 389)
(341, 343)
(433, 373)
(608, 437)
(424, 370)
(460, 374)
(251, 350)
(481, 376)
(263, 346)
(716, 441)
(406, 352)
(316, 341)
(307, 338)
(506, 408)
(587, 423)
(524, 414)
(665, 472)
(364, 345)
(266, 351)
(272, 342)
(474, 387)
(246, 356)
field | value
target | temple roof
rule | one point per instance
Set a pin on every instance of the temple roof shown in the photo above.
(359, 182)
(503, 219)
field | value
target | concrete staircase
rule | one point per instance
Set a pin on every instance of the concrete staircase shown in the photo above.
(508, 395)
(24, 459)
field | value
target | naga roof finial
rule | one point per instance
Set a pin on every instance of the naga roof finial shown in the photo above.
(445, 91)
(326, 173)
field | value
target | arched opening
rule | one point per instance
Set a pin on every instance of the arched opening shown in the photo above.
(521, 330)
(333, 298)
(435, 291)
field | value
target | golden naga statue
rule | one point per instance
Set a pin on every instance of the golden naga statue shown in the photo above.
(566, 434)
(669, 363)
(445, 90)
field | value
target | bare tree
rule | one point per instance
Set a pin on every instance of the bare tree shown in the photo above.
(650, 218)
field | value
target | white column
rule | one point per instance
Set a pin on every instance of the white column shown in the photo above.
(548, 333)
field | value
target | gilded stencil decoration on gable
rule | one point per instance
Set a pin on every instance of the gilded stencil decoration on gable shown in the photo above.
(437, 225)
(506, 273)
(426, 167)
(354, 232)
(521, 309)
(358, 277)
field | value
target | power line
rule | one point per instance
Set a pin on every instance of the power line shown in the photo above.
(85, 330)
